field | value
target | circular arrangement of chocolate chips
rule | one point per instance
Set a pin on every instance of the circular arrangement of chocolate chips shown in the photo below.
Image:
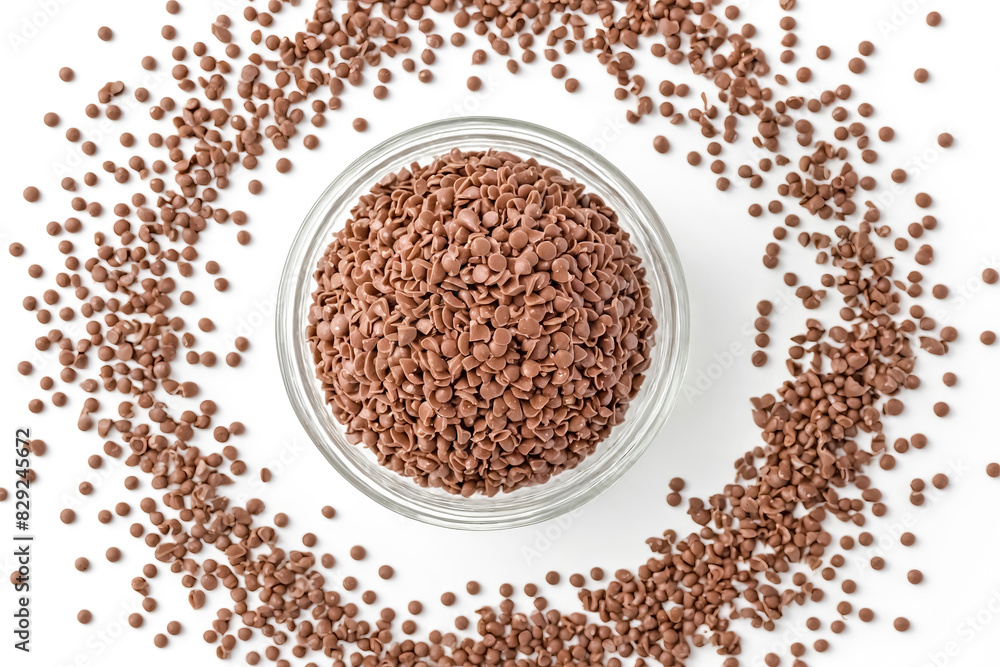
(501, 333)
(821, 429)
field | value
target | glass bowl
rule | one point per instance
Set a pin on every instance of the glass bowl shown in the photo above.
(646, 413)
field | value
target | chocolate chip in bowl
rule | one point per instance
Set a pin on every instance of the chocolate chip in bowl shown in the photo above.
(482, 324)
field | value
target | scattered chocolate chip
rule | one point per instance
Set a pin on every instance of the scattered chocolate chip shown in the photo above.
(186, 203)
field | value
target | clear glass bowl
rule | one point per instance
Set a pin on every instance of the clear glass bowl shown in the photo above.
(646, 413)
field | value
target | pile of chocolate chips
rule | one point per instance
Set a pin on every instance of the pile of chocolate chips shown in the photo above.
(820, 430)
(480, 323)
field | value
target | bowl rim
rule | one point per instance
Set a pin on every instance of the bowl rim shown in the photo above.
(356, 178)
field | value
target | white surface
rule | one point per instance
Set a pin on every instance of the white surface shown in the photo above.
(953, 612)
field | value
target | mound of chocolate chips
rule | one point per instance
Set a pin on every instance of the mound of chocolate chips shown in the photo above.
(481, 322)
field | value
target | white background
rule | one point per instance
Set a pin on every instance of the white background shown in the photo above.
(952, 612)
